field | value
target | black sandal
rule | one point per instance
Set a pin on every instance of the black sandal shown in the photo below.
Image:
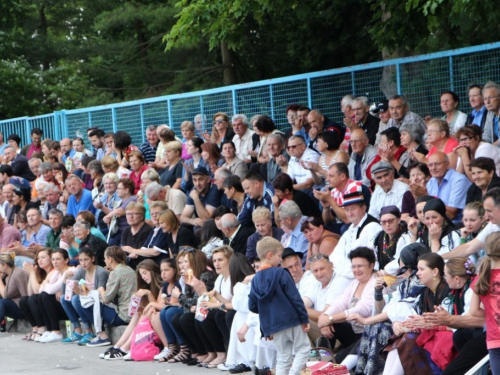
(183, 355)
(173, 350)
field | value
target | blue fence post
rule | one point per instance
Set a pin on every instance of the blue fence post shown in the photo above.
(27, 134)
(90, 119)
(309, 93)
(235, 102)
(271, 99)
(353, 84)
(57, 125)
(170, 118)
(398, 78)
(65, 126)
(201, 109)
(142, 123)
(450, 61)
(113, 118)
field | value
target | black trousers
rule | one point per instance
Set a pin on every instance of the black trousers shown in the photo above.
(184, 325)
(52, 311)
(31, 310)
(224, 322)
(209, 332)
(472, 352)
(463, 335)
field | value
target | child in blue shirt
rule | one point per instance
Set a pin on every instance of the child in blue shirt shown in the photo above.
(283, 316)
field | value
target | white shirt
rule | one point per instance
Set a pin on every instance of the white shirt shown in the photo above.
(319, 295)
(243, 144)
(348, 242)
(296, 171)
(306, 282)
(393, 197)
(223, 286)
(487, 150)
(460, 122)
(490, 228)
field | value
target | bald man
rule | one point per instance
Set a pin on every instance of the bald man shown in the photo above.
(362, 155)
(320, 123)
(448, 185)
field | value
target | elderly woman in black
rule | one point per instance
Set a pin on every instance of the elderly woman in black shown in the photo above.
(82, 232)
(392, 238)
(439, 234)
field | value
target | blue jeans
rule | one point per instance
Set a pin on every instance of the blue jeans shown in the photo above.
(72, 313)
(495, 360)
(8, 308)
(166, 316)
(116, 239)
(108, 315)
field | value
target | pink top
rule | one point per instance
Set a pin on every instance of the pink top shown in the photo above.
(54, 282)
(491, 303)
(136, 177)
(363, 307)
(33, 149)
(451, 143)
(185, 154)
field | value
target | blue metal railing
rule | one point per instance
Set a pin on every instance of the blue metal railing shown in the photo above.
(420, 78)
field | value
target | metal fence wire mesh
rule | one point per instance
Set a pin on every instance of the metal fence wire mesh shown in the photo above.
(420, 78)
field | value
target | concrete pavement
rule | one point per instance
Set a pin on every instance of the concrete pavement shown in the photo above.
(21, 357)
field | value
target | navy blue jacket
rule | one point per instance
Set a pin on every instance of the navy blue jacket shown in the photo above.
(249, 205)
(276, 299)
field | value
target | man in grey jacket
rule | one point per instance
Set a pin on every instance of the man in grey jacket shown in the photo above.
(491, 97)
(362, 155)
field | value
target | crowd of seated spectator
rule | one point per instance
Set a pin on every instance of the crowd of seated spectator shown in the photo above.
(387, 224)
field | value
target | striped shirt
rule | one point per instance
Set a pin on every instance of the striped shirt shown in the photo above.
(352, 186)
(148, 151)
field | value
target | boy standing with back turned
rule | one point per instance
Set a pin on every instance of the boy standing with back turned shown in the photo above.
(283, 316)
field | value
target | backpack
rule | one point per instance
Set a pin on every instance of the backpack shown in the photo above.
(144, 342)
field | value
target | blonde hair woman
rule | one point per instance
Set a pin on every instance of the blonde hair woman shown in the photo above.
(187, 130)
(222, 129)
(172, 175)
(177, 236)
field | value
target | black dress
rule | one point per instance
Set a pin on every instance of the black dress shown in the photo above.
(185, 237)
(170, 176)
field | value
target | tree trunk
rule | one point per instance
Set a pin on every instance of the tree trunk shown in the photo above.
(43, 33)
(229, 63)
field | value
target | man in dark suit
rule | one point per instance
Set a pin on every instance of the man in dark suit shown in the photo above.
(236, 235)
(19, 164)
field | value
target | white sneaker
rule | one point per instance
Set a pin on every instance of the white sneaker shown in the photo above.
(223, 367)
(52, 337)
(43, 336)
(128, 357)
(162, 354)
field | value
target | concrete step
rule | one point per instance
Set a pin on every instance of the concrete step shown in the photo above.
(23, 326)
